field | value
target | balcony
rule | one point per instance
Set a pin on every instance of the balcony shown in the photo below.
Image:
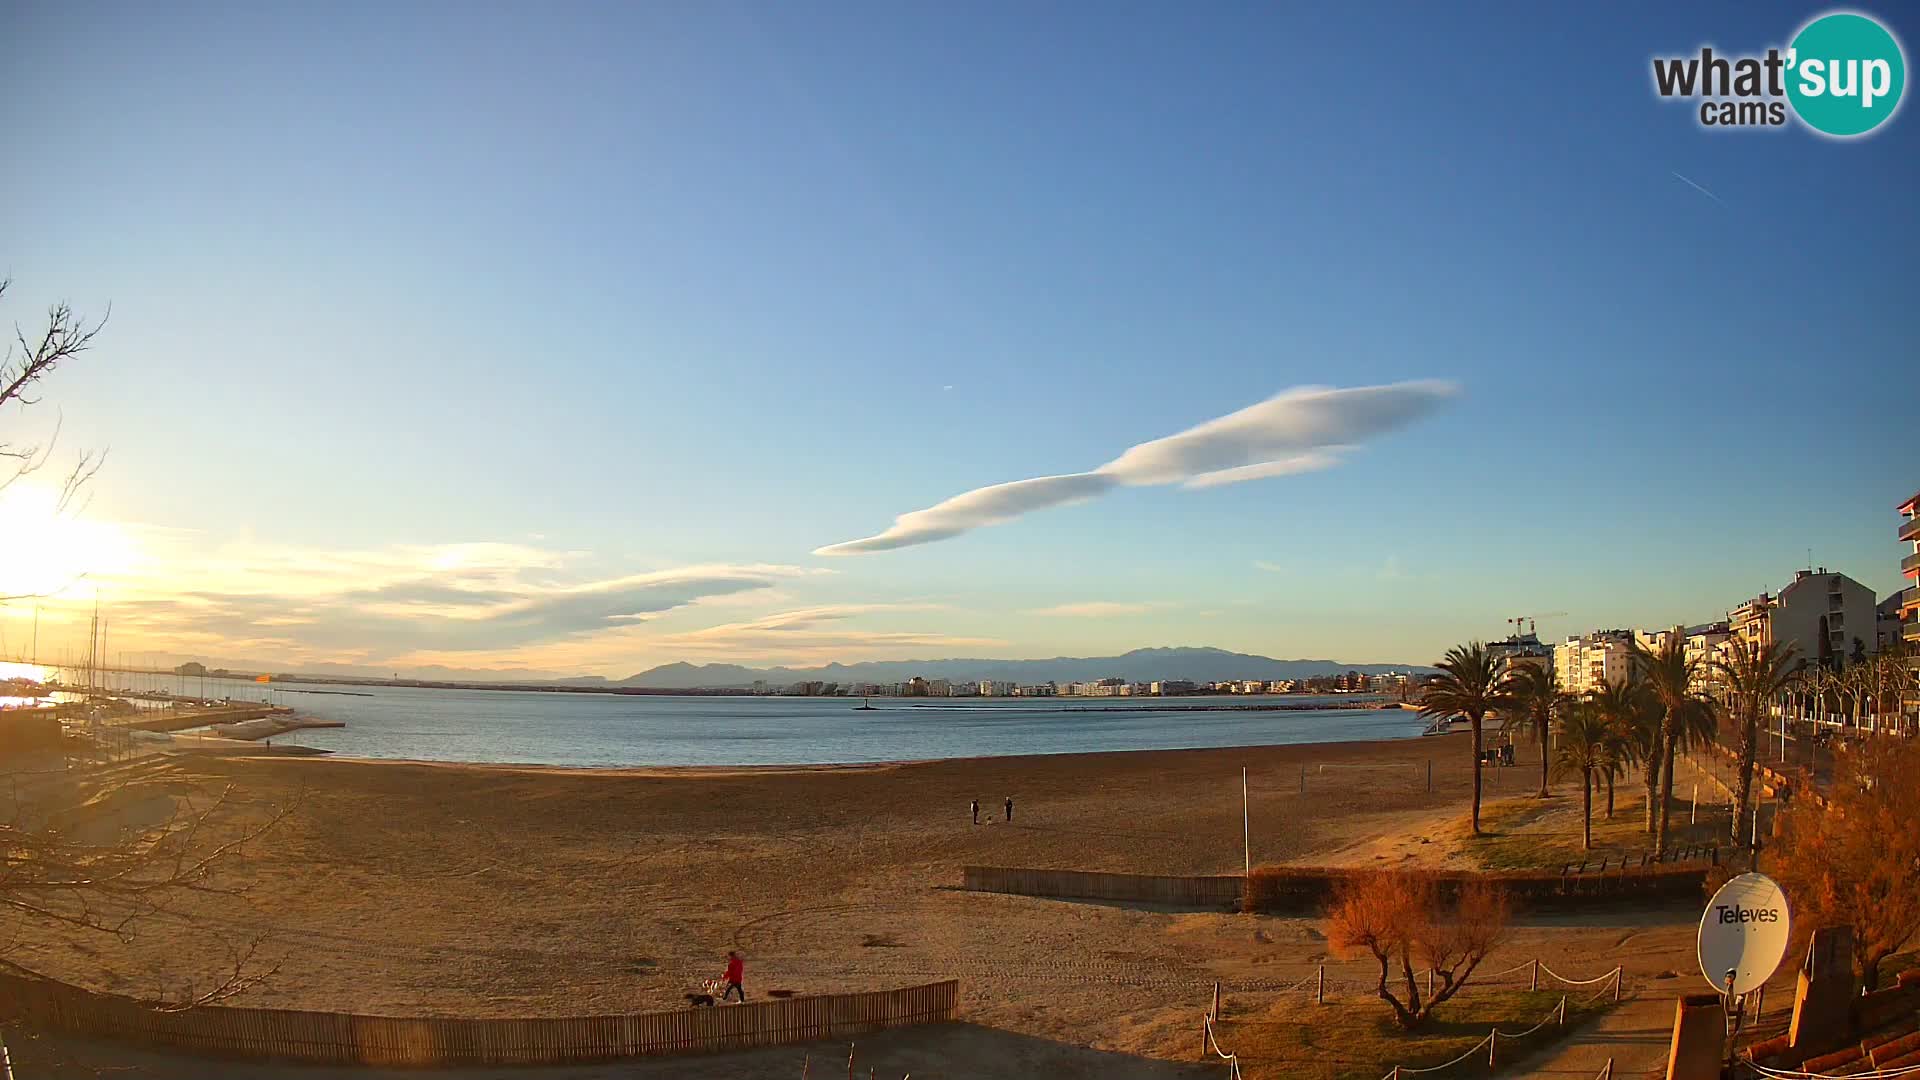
(1910, 528)
(1910, 599)
(1910, 565)
(1911, 631)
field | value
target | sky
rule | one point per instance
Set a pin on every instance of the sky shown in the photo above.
(598, 337)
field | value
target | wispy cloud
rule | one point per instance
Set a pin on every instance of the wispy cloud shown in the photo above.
(1698, 188)
(1094, 609)
(812, 634)
(243, 598)
(1271, 567)
(1299, 430)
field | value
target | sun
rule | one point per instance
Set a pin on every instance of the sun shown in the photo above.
(47, 552)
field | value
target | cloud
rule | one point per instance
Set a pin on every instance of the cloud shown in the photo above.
(1298, 430)
(1094, 609)
(981, 506)
(1271, 567)
(386, 603)
(816, 633)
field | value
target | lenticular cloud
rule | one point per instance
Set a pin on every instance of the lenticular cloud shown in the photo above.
(1296, 431)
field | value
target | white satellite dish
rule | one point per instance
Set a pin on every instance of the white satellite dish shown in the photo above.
(1744, 931)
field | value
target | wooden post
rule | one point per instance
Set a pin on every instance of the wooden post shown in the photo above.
(1215, 1014)
(1693, 808)
(849, 1061)
(1533, 982)
(1618, 971)
(1320, 993)
(1303, 778)
(1429, 776)
(1429, 984)
(806, 1065)
(1493, 1041)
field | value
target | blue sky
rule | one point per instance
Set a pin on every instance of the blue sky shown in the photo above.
(630, 289)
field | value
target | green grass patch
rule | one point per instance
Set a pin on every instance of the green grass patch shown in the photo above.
(1356, 1038)
(1532, 833)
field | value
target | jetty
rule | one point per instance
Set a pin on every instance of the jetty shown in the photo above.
(266, 727)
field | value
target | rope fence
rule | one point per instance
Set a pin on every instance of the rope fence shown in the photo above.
(1322, 982)
(1609, 985)
(1232, 1060)
(1491, 1043)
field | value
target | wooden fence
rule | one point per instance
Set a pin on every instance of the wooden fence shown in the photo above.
(350, 1039)
(1307, 888)
(1222, 891)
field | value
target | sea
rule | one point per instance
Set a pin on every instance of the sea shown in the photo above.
(616, 730)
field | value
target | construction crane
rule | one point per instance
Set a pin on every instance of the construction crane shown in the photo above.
(1527, 623)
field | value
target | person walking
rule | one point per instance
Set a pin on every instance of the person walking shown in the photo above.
(976, 811)
(1009, 808)
(736, 972)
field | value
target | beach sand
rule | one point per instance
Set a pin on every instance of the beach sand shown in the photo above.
(461, 890)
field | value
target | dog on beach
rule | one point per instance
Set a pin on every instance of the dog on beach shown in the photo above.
(695, 1001)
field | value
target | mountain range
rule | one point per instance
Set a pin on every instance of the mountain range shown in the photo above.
(1139, 665)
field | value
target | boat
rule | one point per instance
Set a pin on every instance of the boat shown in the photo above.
(1443, 725)
(864, 707)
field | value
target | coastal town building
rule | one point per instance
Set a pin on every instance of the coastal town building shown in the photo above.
(1827, 617)
(1908, 610)
(1587, 662)
(1705, 644)
(1524, 648)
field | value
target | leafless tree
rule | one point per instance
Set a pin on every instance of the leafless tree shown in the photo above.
(28, 360)
(56, 872)
(1399, 918)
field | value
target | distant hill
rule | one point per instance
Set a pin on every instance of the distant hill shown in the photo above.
(1140, 665)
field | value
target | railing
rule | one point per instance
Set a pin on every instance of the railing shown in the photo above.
(1910, 528)
(352, 1039)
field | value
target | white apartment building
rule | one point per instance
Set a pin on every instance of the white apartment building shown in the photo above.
(995, 688)
(1824, 615)
(1590, 661)
(1706, 643)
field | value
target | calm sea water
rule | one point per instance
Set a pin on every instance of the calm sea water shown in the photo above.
(613, 730)
(606, 730)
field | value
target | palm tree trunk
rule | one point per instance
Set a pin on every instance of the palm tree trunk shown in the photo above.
(1651, 773)
(1586, 807)
(1476, 774)
(1610, 794)
(1743, 798)
(1670, 743)
(1541, 731)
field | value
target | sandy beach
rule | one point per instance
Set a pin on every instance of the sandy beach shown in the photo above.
(437, 889)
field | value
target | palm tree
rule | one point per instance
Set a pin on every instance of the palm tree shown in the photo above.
(1583, 749)
(1635, 716)
(1466, 686)
(1755, 677)
(1533, 700)
(1631, 738)
(1685, 714)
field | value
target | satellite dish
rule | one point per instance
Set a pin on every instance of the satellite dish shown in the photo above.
(1744, 932)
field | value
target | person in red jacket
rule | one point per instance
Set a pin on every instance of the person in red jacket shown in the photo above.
(736, 970)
